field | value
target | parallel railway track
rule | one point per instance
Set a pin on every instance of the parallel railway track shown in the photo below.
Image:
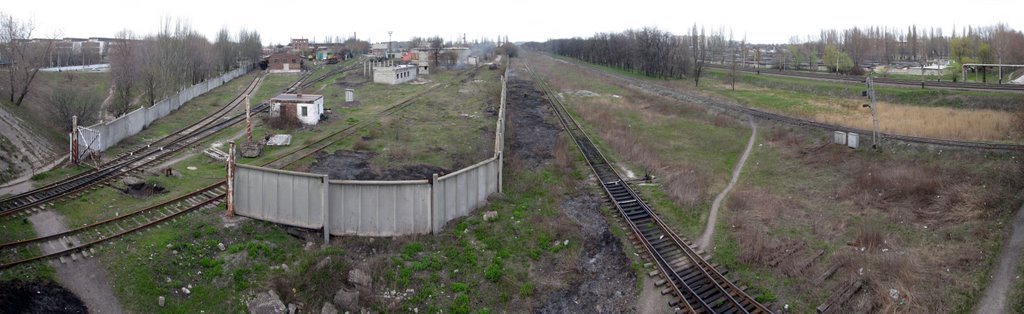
(699, 285)
(80, 242)
(131, 162)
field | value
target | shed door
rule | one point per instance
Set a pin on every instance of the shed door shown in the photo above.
(287, 66)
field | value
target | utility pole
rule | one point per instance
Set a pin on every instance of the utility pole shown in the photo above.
(248, 120)
(388, 54)
(870, 93)
(74, 139)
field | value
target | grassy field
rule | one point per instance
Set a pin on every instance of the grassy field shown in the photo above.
(691, 167)
(925, 222)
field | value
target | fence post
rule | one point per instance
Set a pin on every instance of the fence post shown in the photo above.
(433, 204)
(325, 209)
(501, 167)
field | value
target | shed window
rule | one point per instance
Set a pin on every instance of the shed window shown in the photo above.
(305, 111)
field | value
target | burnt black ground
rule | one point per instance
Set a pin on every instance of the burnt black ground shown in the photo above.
(534, 141)
(38, 297)
(355, 165)
(601, 280)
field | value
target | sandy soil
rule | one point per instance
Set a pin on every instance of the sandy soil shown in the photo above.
(86, 277)
(1005, 275)
(705, 239)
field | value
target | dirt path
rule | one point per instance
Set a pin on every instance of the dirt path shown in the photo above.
(84, 276)
(1004, 277)
(709, 230)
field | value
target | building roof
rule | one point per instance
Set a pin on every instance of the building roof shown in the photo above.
(297, 98)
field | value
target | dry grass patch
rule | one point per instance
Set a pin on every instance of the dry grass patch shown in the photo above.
(935, 122)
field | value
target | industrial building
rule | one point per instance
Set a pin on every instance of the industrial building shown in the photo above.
(397, 74)
(284, 63)
(308, 109)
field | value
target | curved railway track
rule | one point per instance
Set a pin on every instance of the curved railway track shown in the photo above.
(698, 284)
(710, 102)
(131, 161)
(882, 80)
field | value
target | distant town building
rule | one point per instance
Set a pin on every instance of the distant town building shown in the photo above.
(394, 74)
(308, 109)
(299, 44)
(284, 63)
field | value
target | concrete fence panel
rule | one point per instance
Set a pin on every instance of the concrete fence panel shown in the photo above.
(379, 208)
(118, 129)
(457, 194)
(285, 197)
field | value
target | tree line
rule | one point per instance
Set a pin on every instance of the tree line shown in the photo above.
(144, 69)
(656, 53)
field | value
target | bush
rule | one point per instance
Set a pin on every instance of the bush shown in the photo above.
(494, 272)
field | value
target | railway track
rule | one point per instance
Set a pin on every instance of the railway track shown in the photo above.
(699, 286)
(130, 162)
(79, 242)
(882, 80)
(710, 102)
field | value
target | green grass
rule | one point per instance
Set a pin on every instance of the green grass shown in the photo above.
(107, 202)
(930, 97)
(161, 261)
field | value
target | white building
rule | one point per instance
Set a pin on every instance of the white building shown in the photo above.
(306, 108)
(394, 74)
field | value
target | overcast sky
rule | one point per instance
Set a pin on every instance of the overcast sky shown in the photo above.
(520, 20)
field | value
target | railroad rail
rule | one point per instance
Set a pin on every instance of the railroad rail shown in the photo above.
(700, 286)
(131, 161)
(79, 242)
(710, 102)
(881, 80)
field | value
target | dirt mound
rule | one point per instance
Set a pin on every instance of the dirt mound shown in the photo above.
(38, 297)
(355, 165)
(536, 136)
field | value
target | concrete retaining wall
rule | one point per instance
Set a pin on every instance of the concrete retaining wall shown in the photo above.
(370, 208)
(113, 131)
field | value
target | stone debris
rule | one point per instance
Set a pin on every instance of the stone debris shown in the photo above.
(490, 215)
(359, 278)
(347, 299)
(267, 303)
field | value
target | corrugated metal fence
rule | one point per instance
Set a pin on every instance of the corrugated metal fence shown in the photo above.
(370, 208)
(103, 135)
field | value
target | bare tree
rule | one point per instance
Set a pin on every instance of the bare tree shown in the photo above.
(699, 46)
(25, 56)
(436, 45)
(124, 69)
(66, 101)
(225, 50)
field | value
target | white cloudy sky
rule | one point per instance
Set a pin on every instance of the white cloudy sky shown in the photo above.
(522, 20)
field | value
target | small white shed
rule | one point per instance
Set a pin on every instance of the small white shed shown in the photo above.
(307, 108)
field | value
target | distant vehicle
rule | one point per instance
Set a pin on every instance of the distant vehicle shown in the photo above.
(332, 60)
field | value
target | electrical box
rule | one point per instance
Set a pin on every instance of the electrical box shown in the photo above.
(852, 140)
(839, 138)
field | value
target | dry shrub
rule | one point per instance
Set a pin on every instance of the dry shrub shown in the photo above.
(918, 184)
(686, 185)
(758, 203)
(755, 245)
(361, 145)
(870, 237)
